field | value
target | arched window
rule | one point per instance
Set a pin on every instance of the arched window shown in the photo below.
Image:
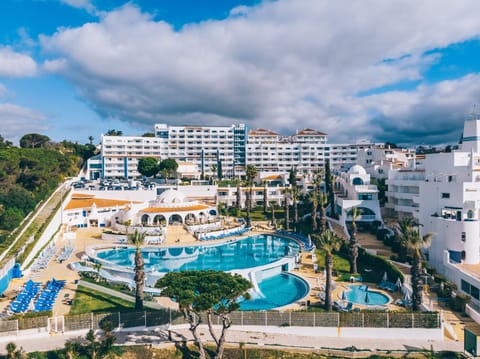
(357, 181)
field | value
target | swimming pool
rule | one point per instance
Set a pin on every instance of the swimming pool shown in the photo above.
(274, 288)
(276, 291)
(358, 294)
(245, 253)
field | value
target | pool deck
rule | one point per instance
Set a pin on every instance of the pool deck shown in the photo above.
(177, 235)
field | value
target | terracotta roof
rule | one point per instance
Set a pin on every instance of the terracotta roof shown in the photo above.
(87, 202)
(197, 207)
(272, 177)
(310, 132)
(262, 132)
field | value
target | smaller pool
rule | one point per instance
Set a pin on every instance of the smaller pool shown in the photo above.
(277, 291)
(360, 294)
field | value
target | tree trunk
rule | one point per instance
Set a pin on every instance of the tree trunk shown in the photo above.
(265, 199)
(353, 254)
(226, 322)
(139, 279)
(238, 197)
(210, 326)
(416, 271)
(287, 215)
(323, 220)
(314, 216)
(247, 199)
(194, 320)
(328, 285)
(295, 210)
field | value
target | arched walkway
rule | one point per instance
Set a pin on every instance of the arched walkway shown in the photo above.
(175, 219)
(159, 220)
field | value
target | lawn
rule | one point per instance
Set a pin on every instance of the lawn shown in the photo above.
(87, 300)
(340, 264)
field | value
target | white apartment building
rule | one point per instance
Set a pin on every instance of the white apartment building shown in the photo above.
(228, 148)
(445, 199)
(378, 161)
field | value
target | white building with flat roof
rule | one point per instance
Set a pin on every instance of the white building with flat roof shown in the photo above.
(444, 197)
(229, 149)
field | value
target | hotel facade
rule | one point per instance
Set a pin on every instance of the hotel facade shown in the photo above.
(229, 149)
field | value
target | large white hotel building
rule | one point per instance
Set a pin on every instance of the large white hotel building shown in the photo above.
(230, 148)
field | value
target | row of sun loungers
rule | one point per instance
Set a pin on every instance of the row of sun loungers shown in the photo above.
(30, 299)
(222, 234)
(66, 253)
(47, 297)
(45, 257)
(24, 298)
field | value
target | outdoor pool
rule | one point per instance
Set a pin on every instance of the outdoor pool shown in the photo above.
(358, 294)
(245, 253)
(276, 291)
(274, 287)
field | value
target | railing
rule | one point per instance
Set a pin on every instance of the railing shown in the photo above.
(429, 320)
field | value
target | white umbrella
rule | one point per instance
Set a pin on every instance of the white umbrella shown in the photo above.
(399, 283)
(385, 277)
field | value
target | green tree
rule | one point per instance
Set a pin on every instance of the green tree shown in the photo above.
(238, 196)
(353, 243)
(72, 349)
(113, 132)
(11, 348)
(323, 201)
(33, 140)
(168, 167)
(329, 242)
(137, 239)
(212, 292)
(214, 170)
(329, 188)
(90, 139)
(148, 166)
(93, 345)
(148, 134)
(409, 233)
(286, 194)
(292, 177)
(11, 218)
(295, 197)
(251, 173)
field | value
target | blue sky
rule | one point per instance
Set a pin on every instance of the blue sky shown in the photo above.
(406, 73)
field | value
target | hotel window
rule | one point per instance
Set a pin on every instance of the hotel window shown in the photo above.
(445, 195)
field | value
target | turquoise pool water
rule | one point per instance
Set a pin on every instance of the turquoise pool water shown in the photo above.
(277, 291)
(249, 252)
(358, 294)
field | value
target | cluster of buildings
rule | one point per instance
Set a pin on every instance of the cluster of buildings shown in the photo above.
(222, 151)
(440, 190)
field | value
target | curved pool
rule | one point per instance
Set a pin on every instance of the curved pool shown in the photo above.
(273, 288)
(245, 253)
(360, 294)
(276, 291)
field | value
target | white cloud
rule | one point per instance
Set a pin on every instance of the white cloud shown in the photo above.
(282, 65)
(80, 4)
(14, 64)
(16, 119)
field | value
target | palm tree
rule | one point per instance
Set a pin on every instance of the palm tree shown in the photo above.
(353, 245)
(238, 196)
(329, 242)
(323, 201)
(409, 233)
(286, 193)
(265, 197)
(314, 200)
(251, 173)
(90, 139)
(273, 220)
(137, 239)
(295, 197)
(97, 266)
(214, 171)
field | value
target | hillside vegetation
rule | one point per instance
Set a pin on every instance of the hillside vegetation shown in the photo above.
(30, 173)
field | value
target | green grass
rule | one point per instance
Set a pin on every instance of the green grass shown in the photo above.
(340, 264)
(87, 300)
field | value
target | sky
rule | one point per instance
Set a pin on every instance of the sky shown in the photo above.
(400, 71)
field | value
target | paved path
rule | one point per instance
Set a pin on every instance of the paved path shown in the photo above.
(159, 337)
(114, 293)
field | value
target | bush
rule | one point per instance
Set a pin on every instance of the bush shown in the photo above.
(459, 302)
(381, 265)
